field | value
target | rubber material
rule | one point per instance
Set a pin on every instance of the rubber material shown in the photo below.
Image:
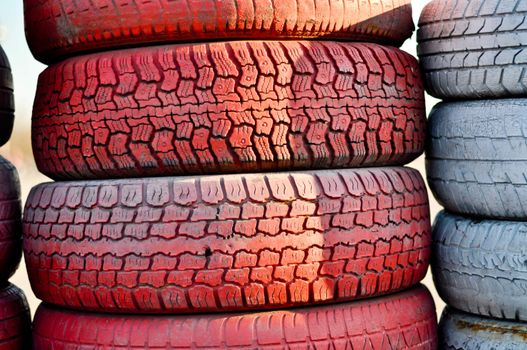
(10, 220)
(56, 29)
(477, 155)
(7, 101)
(228, 107)
(460, 331)
(15, 320)
(401, 321)
(479, 266)
(223, 243)
(474, 49)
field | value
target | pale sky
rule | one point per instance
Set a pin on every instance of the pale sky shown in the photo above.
(25, 68)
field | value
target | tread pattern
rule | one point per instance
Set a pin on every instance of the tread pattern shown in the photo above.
(402, 321)
(56, 29)
(474, 49)
(476, 166)
(15, 320)
(227, 242)
(10, 220)
(460, 331)
(479, 266)
(228, 107)
(7, 101)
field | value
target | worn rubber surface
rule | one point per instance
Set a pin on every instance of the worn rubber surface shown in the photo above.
(474, 49)
(477, 156)
(227, 242)
(479, 265)
(228, 107)
(7, 102)
(15, 321)
(10, 220)
(56, 29)
(401, 321)
(461, 331)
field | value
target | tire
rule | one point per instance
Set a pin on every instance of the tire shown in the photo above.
(10, 220)
(402, 321)
(81, 131)
(7, 101)
(460, 331)
(15, 321)
(85, 131)
(224, 243)
(475, 164)
(479, 266)
(56, 29)
(474, 49)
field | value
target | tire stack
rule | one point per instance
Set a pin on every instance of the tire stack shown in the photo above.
(473, 54)
(15, 320)
(206, 196)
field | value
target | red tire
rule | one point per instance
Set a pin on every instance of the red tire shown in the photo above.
(401, 321)
(136, 113)
(10, 220)
(7, 101)
(222, 243)
(15, 321)
(57, 28)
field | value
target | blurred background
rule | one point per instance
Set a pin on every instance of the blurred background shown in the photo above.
(25, 73)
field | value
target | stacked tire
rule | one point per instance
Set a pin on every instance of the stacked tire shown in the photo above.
(243, 192)
(15, 320)
(472, 54)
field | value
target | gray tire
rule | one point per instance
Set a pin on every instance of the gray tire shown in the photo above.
(478, 166)
(460, 331)
(7, 102)
(474, 49)
(480, 266)
(10, 221)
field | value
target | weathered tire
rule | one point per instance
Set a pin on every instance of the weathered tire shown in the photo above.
(10, 220)
(474, 49)
(401, 321)
(477, 156)
(460, 331)
(7, 101)
(479, 266)
(332, 105)
(15, 321)
(221, 243)
(56, 29)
